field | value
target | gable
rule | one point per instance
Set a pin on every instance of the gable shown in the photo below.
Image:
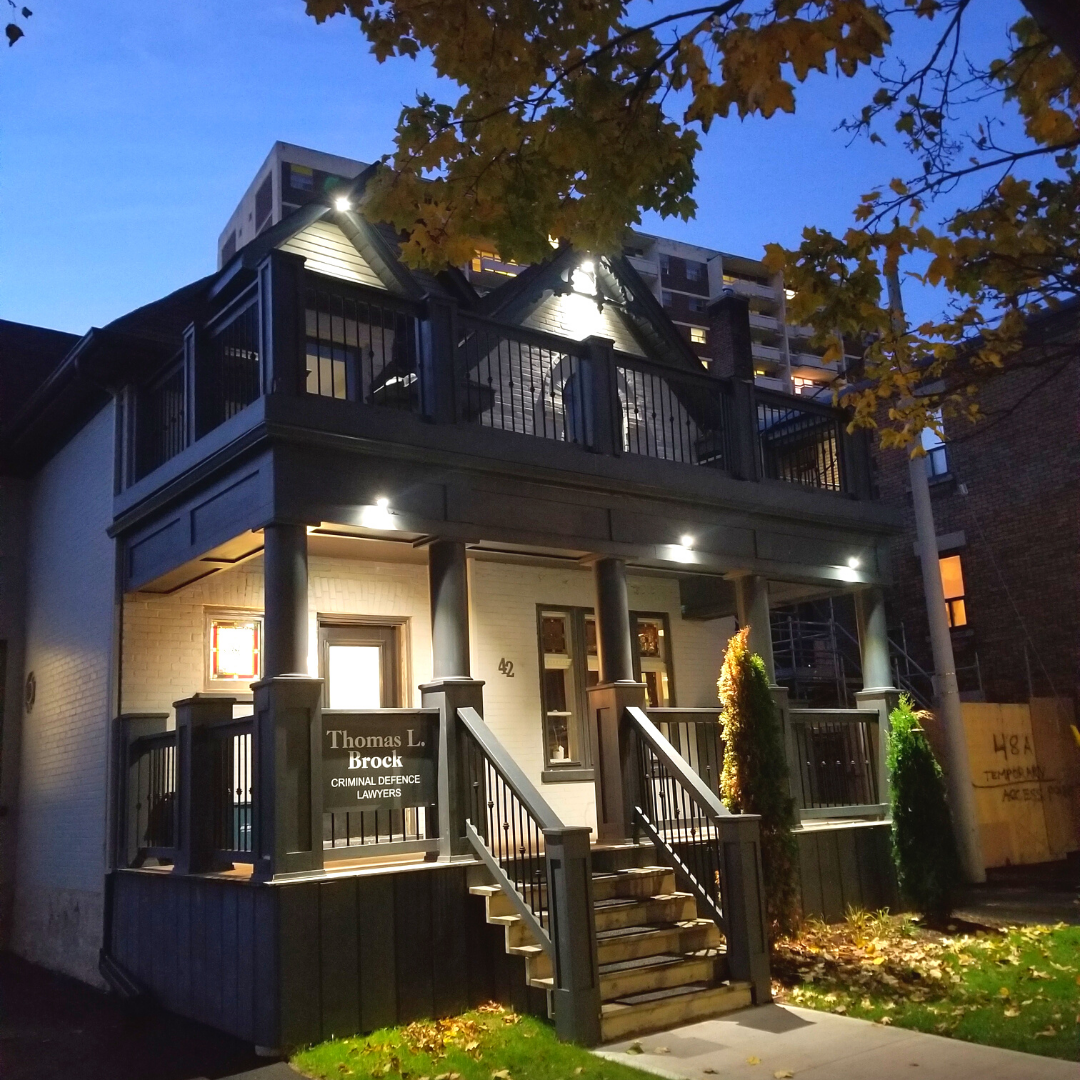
(578, 317)
(329, 251)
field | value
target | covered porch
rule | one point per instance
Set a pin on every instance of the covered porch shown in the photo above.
(513, 716)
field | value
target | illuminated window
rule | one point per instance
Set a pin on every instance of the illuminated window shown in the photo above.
(952, 584)
(233, 649)
(301, 178)
(652, 659)
(561, 685)
(698, 335)
(489, 262)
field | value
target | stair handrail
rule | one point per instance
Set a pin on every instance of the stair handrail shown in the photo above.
(511, 790)
(715, 852)
(515, 832)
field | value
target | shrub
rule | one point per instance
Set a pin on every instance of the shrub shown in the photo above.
(755, 776)
(923, 844)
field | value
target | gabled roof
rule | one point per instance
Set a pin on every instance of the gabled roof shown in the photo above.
(28, 356)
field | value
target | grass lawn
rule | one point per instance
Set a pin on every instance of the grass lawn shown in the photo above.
(1018, 989)
(491, 1043)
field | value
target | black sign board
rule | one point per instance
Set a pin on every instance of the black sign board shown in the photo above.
(379, 760)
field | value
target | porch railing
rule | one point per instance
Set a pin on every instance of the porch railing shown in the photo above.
(150, 813)
(695, 736)
(713, 852)
(834, 756)
(516, 379)
(673, 415)
(294, 331)
(361, 344)
(543, 867)
(800, 441)
(231, 789)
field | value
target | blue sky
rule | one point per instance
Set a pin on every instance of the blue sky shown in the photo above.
(130, 129)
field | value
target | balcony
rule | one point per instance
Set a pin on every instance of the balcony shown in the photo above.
(294, 335)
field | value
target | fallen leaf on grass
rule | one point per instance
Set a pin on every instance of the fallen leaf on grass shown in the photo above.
(752, 1060)
(886, 1021)
(501, 1074)
(578, 1071)
(1003, 992)
(1047, 1032)
(634, 1048)
(1012, 1011)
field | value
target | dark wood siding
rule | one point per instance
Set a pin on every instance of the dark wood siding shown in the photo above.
(287, 964)
(846, 866)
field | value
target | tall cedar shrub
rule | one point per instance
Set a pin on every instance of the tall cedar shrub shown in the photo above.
(923, 844)
(755, 776)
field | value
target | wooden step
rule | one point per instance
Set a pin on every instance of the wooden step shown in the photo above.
(640, 882)
(662, 1009)
(622, 912)
(660, 973)
(517, 930)
(691, 935)
(537, 963)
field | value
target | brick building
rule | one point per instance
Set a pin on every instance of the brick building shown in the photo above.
(1006, 499)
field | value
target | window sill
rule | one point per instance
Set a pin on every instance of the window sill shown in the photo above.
(574, 774)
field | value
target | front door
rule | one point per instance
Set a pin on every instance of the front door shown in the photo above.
(360, 664)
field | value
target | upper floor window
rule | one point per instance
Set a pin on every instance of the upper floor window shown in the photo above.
(697, 304)
(952, 585)
(698, 335)
(301, 178)
(667, 299)
(937, 457)
(695, 271)
(665, 264)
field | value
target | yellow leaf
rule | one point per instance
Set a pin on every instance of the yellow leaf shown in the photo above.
(752, 1060)
(783, 1074)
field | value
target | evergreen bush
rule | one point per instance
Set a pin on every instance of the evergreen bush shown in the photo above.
(754, 779)
(923, 843)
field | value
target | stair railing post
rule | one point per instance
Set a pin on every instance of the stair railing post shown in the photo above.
(573, 935)
(194, 780)
(743, 899)
(781, 699)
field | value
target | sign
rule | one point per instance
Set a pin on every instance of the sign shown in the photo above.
(382, 760)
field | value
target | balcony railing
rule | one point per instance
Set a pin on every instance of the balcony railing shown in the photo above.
(309, 334)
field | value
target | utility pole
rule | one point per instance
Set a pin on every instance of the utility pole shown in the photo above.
(961, 793)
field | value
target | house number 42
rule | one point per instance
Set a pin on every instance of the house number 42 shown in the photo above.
(506, 667)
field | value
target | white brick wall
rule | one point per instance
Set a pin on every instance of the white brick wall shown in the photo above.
(504, 599)
(164, 657)
(69, 623)
(163, 635)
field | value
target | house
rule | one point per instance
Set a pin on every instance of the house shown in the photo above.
(369, 634)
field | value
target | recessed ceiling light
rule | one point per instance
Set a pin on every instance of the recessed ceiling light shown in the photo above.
(341, 203)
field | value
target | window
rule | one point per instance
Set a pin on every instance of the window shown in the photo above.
(228, 249)
(952, 584)
(697, 304)
(264, 203)
(698, 335)
(360, 663)
(666, 298)
(665, 264)
(937, 457)
(570, 664)
(651, 662)
(301, 178)
(233, 649)
(695, 271)
(562, 688)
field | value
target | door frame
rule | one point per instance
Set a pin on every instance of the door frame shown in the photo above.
(397, 624)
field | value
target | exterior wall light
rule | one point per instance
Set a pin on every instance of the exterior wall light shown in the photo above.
(341, 204)
(854, 562)
(686, 541)
(383, 503)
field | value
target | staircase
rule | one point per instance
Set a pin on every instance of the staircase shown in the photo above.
(660, 965)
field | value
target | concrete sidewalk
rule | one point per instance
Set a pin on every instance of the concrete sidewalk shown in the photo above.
(823, 1046)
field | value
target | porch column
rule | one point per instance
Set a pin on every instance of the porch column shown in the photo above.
(613, 752)
(878, 692)
(752, 596)
(286, 747)
(452, 686)
(285, 600)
